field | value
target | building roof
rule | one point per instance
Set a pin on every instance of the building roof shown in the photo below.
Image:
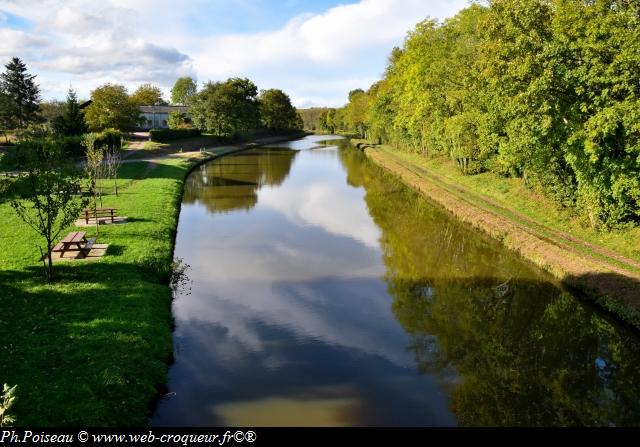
(163, 109)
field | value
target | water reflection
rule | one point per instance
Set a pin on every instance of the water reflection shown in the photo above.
(343, 298)
(232, 182)
(525, 353)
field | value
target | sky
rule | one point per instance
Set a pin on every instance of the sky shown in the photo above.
(316, 51)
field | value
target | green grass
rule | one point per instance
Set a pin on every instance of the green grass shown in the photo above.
(92, 348)
(512, 199)
(153, 148)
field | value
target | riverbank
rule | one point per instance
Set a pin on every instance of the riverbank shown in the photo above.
(604, 267)
(92, 349)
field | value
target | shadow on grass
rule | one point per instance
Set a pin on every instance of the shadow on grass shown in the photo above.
(90, 349)
(619, 294)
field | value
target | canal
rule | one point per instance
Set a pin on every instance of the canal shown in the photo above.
(323, 292)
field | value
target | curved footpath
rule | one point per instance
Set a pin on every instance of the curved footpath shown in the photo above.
(609, 279)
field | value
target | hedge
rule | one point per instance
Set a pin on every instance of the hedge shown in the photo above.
(73, 147)
(162, 135)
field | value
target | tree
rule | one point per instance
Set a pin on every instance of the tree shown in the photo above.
(113, 161)
(6, 121)
(22, 92)
(226, 108)
(356, 112)
(183, 90)
(49, 110)
(111, 107)
(71, 122)
(178, 120)
(44, 194)
(148, 95)
(276, 110)
(354, 93)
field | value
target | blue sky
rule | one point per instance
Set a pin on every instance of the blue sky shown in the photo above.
(316, 51)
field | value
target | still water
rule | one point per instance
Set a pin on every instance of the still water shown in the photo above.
(324, 292)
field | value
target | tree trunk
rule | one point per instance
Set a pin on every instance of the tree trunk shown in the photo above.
(50, 262)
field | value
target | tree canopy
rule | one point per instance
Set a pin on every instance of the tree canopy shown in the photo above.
(111, 107)
(277, 112)
(71, 122)
(148, 95)
(20, 95)
(545, 90)
(226, 108)
(182, 90)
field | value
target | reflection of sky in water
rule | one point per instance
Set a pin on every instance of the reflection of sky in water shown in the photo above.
(309, 199)
(290, 321)
(309, 142)
(289, 314)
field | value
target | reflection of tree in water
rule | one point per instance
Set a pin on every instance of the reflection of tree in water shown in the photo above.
(513, 349)
(231, 183)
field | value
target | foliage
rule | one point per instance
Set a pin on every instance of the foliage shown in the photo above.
(314, 118)
(162, 135)
(183, 90)
(109, 138)
(276, 111)
(71, 121)
(227, 108)
(21, 95)
(95, 170)
(178, 120)
(7, 399)
(44, 195)
(543, 90)
(111, 107)
(51, 109)
(148, 95)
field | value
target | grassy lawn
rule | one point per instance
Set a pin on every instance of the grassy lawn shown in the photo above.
(511, 198)
(152, 148)
(92, 348)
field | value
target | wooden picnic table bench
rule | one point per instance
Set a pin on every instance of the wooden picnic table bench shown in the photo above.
(100, 212)
(75, 238)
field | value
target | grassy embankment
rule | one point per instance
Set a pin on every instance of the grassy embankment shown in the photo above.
(92, 348)
(604, 265)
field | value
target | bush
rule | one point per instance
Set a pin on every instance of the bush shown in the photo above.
(111, 138)
(163, 135)
(71, 146)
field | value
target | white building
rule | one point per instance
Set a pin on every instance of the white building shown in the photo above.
(156, 117)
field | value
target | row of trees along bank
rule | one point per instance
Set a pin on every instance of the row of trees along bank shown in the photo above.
(545, 90)
(226, 109)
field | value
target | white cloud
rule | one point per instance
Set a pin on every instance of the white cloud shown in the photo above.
(314, 57)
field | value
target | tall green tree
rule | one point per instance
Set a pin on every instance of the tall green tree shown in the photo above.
(44, 194)
(226, 108)
(183, 90)
(71, 122)
(178, 120)
(23, 93)
(148, 95)
(276, 111)
(111, 107)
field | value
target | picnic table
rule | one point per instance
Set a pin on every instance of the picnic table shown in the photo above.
(75, 241)
(100, 212)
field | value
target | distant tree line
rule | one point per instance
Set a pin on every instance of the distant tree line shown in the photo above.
(544, 90)
(231, 108)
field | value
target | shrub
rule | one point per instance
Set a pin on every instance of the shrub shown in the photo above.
(111, 138)
(162, 135)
